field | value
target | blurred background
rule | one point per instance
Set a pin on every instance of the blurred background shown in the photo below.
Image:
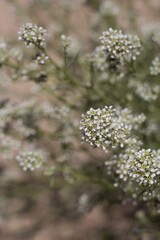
(29, 208)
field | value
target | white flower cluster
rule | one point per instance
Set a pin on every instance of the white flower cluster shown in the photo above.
(109, 8)
(72, 44)
(119, 47)
(50, 111)
(133, 145)
(41, 58)
(125, 115)
(23, 118)
(155, 68)
(24, 107)
(13, 112)
(152, 127)
(65, 41)
(18, 109)
(22, 129)
(108, 127)
(31, 34)
(83, 202)
(30, 160)
(145, 91)
(141, 167)
(46, 109)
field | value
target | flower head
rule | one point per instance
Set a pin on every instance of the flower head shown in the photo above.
(108, 127)
(119, 47)
(141, 167)
(32, 35)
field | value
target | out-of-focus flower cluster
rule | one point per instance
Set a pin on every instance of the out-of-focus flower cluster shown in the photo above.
(99, 59)
(41, 58)
(155, 67)
(12, 112)
(31, 34)
(119, 47)
(3, 52)
(145, 91)
(25, 121)
(109, 127)
(65, 40)
(8, 146)
(156, 37)
(9, 55)
(109, 8)
(31, 160)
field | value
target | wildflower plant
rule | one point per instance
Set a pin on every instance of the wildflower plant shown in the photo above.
(111, 129)
(107, 98)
